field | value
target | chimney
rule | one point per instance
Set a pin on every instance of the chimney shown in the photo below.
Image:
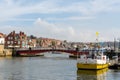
(20, 33)
(13, 32)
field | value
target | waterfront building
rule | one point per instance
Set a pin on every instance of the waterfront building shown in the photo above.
(31, 41)
(16, 40)
(2, 38)
(48, 43)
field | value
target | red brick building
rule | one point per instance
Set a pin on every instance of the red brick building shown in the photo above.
(16, 40)
(31, 41)
(47, 42)
(2, 35)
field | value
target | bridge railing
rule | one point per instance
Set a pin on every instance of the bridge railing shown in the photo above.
(35, 48)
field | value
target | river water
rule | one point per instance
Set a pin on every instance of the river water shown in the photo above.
(50, 67)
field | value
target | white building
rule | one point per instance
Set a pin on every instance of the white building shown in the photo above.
(2, 40)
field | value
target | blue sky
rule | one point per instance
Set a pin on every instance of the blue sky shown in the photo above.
(71, 20)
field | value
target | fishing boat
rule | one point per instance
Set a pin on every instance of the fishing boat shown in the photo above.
(94, 60)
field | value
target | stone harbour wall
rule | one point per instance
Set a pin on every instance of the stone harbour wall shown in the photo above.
(5, 52)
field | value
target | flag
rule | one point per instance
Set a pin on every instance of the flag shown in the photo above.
(97, 33)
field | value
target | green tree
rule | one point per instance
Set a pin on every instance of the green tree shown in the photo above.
(53, 43)
(39, 42)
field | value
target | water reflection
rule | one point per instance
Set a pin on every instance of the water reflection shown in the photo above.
(92, 74)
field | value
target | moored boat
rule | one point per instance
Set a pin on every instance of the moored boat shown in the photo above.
(94, 60)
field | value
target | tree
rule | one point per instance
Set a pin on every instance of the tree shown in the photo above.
(32, 37)
(39, 42)
(53, 43)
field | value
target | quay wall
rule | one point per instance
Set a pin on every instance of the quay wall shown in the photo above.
(5, 52)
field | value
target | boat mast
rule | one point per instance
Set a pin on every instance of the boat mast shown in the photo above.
(97, 36)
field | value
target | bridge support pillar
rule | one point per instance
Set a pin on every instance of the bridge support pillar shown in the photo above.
(14, 52)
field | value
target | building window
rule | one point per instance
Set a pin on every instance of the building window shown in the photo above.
(8, 37)
(23, 37)
(17, 37)
(11, 37)
(8, 42)
(18, 42)
(11, 42)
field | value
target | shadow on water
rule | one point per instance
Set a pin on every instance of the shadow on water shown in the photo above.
(92, 74)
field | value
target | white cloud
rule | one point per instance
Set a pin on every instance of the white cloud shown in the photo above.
(12, 9)
(86, 10)
(99, 6)
(72, 18)
(70, 33)
(43, 28)
(7, 29)
(81, 18)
